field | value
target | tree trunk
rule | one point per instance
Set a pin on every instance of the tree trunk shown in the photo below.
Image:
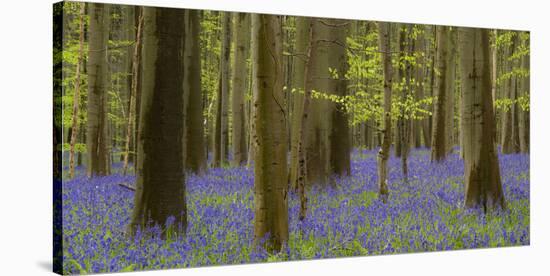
(242, 42)
(302, 41)
(76, 97)
(339, 140)
(218, 125)
(225, 63)
(450, 77)
(303, 131)
(507, 114)
(317, 145)
(419, 79)
(439, 132)
(481, 169)
(270, 170)
(383, 154)
(97, 138)
(194, 147)
(524, 111)
(160, 187)
(130, 124)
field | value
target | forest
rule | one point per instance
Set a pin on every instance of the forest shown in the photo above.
(186, 138)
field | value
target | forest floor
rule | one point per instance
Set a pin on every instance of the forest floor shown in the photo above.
(345, 219)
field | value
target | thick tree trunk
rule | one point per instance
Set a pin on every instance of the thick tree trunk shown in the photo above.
(302, 41)
(160, 187)
(76, 97)
(270, 170)
(339, 140)
(194, 148)
(317, 145)
(130, 124)
(241, 41)
(383, 154)
(97, 136)
(481, 169)
(440, 130)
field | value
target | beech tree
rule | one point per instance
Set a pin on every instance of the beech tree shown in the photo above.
(194, 148)
(384, 31)
(241, 42)
(160, 183)
(76, 99)
(481, 168)
(339, 152)
(270, 168)
(440, 127)
(97, 138)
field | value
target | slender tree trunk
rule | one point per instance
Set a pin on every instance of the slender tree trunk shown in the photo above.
(76, 98)
(302, 131)
(383, 154)
(507, 119)
(136, 60)
(450, 77)
(270, 170)
(514, 93)
(524, 113)
(419, 79)
(481, 169)
(224, 71)
(302, 41)
(97, 136)
(439, 134)
(218, 126)
(194, 147)
(241, 41)
(160, 187)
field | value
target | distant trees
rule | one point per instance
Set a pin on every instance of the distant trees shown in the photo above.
(97, 138)
(270, 168)
(160, 183)
(481, 169)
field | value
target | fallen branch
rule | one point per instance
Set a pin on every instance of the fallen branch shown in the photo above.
(127, 186)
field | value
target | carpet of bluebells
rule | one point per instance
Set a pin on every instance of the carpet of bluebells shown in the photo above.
(345, 219)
